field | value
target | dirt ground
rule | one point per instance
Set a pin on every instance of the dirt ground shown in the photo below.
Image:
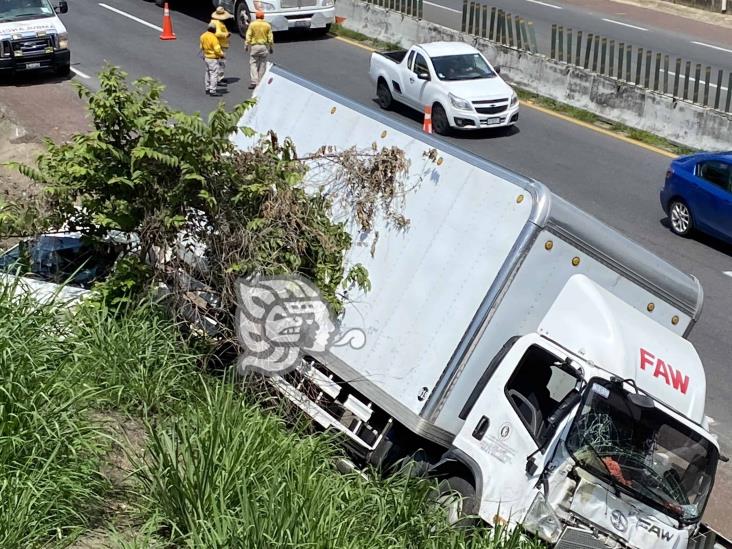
(28, 114)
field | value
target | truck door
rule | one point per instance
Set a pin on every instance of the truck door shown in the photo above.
(514, 410)
(414, 87)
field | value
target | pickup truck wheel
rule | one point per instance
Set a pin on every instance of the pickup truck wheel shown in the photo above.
(243, 17)
(384, 95)
(457, 497)
(440, 122)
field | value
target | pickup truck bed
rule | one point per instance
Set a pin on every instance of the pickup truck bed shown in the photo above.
(397, 56)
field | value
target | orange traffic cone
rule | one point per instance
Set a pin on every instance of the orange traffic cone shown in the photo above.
(167, 33)
(427, 124)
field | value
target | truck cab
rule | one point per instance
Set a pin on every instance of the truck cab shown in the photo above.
(593, 428)
(282, 14)
(32, 37)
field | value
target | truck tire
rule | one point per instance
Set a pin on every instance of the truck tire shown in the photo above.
(63, 70)
(242, 16)
(440, 123)
(457, 497)
(384, 94)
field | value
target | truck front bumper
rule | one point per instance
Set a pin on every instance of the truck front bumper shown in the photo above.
(471, 120)
(53, 60)
(316, 18)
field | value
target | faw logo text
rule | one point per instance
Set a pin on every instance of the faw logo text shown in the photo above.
(653, 529)
(665, 371)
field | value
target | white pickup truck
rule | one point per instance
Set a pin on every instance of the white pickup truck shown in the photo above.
(464, 90)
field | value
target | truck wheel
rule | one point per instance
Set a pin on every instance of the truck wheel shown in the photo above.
(384, 94)
(457, 497)
(679, 215)
(440, 122)
(243, 17)
(63, 70)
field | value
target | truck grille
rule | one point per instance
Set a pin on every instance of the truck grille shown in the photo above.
(31, 47)
(577, 538)
(290, 4)
(490, 110)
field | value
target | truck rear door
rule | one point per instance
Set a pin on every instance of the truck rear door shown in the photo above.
(514, 410)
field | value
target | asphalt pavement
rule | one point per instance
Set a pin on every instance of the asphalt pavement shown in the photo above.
(612, 179)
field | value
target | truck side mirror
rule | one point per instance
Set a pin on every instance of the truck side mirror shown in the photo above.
(62, 6)
(423, 76)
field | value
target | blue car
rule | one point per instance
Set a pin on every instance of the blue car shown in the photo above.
(698, 194)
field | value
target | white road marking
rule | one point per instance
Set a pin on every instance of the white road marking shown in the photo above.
(692, 79)
(728, 273)
(130, 16)
(624, 24)
(545, 4)
(77, 72)
(442, 7)
(711, 46)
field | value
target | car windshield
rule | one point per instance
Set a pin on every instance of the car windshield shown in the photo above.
(59, 259)
(469, 66)
(643, 451)
(18, 10)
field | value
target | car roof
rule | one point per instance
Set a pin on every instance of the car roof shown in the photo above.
(438, 49)
(696, 157)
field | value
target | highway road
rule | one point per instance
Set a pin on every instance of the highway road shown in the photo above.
(616, 181)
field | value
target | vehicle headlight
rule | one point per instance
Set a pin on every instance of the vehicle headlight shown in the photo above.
(542, 521)
(264, 6)
(63, 41)
(327, 3)
(460, 103)
(514, 99)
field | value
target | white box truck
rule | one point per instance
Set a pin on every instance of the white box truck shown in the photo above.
(517, 348)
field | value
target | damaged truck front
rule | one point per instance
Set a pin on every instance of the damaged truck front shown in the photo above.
(529, 356)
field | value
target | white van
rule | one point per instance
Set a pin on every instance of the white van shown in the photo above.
(32, 37)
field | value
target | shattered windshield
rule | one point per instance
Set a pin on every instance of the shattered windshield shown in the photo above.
(17, 10)
(643, 451)
(59, 259)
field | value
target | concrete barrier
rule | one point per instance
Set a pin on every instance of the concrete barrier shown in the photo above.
(679, 121)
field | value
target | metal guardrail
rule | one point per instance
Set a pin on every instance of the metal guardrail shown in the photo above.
(407, 7)
(651, 70)
(501, 27)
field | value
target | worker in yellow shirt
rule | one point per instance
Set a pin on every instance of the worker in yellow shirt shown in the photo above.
(212, 52)
(222, 33)
(259, 42)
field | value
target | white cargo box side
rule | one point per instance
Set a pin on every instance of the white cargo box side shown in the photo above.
(426, 290)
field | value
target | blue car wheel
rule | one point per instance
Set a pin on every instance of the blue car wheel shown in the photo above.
(680, 216)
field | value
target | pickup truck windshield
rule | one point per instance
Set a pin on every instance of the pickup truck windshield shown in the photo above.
(644, 451)
(20, 10)
(469, 66)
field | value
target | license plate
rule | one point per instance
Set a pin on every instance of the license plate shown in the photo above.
(302, 23)
(32, 65)
(492, 121)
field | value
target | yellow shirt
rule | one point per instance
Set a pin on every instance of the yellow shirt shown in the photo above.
(222, 33)
(259, 32)
(210, 46)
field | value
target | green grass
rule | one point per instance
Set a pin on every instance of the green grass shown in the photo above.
(340, 30)
(214, 467)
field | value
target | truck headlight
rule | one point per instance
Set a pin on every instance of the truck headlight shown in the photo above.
(542, 521)
(514, 99)
(327, 3)
(459, 103)
(63, 41)
(264, 6)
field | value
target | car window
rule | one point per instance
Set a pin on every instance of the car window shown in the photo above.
(716, 172)
(537, 388)
(462, 67)
(420, 65)
(410, 59)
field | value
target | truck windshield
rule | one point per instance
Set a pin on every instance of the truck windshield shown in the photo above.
(19, 10)
(643, 451)
(469, 66)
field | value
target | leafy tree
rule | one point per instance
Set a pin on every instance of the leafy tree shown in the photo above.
(158, 173)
